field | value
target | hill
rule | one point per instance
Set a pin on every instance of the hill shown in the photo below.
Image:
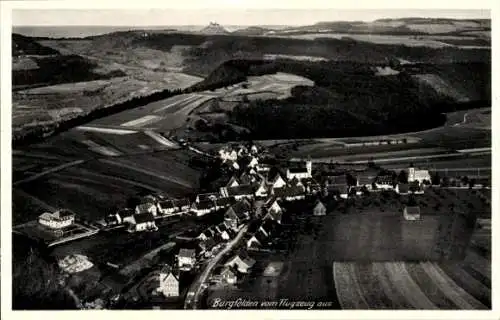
(251, 31)
(214, 28)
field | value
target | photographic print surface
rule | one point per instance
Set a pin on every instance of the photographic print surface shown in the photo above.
(251, 159)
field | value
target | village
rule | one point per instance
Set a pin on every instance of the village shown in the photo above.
(253, 198)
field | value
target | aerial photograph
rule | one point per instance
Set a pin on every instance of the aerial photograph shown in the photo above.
(251, 159)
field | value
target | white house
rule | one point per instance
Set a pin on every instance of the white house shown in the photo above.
(57, 220)
(233, 182)
(166, 207)
(186, 259)
(418, 175)
(253, 149)
(411, 213)
(226, 154)
(147, 207)
(253, 163)
(228, 276)
(142, 222)
(273, 205)
(384, 182)
(300, 173)
(203, 207)
(278, 182)
(168, 283)
(261, 191)
(241, 264)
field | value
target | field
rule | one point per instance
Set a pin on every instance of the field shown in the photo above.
(92, 188)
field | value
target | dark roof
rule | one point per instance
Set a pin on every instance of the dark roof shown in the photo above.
(275, 215)
(181, 202)
(126, 212)
(342, 189)
(144, 217)
(167, 204)
(337, 180)
(240, 190)
(297, 170)
(412, 209)
(221, 227)
(288, 191)
(207, 196)
(203, 205)
(188, 253)
(143, 207)
(207, 244)
(240, 210)
(224, 201)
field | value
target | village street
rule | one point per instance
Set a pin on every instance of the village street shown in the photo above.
(197, 286)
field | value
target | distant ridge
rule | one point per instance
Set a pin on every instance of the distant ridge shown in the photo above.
(214, 28)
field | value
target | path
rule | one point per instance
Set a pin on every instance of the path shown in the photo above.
(51, 170)
(197, 286)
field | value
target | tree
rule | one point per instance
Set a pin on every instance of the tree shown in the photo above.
(403, 176)
(436, 179)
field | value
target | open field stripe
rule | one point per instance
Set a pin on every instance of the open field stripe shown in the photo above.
(190, 97)
(109, 177)
(407, 287)
(192, 105)
(139, 122)
(124, 164)
(347, 293)
(470, 284)
(34, 199)
(429, 287)
(106, 130)
(455, 293)
(370, 287)
(353, 274)
(478, 263)
(46, 172)
(160, 139)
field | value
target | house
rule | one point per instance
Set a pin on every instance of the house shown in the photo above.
(274, 216)
(142, 222)
(337, 180)
(261, 191)
(168, 283)
(262, 168)
(237, 213)
(182, 204)
(254, 149)
(146, 207)
(300, 173)
(277, 182)
(257, 240)
(415, 187)
(311, 185)
(221, 230)
(367, 177)
(384, 182)
(243, 265)
(273, 205)
(319, 209)
(411, 213)
(207, 245)
(294, 182)
(239, 192)
(57, 220)
(203, 207)
(228, 154)
(166, 207)
(253, 162)
(207, 196)
(233, 182)
(402, 188)
(224, 202)
(204, 235)
(418, 175)
(186, 259)
(289, 193)
(228, 275)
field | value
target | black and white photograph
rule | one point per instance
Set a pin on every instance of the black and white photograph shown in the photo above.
(239, 158)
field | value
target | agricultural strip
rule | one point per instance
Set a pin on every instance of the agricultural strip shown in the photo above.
(105, 130)
(348, 291)
(141, 121)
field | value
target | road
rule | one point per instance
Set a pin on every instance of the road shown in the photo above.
(196, 288)
(41, 174)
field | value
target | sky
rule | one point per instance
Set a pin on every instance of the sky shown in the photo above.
(231, 16)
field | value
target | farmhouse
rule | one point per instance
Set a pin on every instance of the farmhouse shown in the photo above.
(166, 207)
(207, 196)
(233, 182)
(75, 263)
(228, 154)
(239, 192)
(418, 175)
(253, 162)
(273, 205)
(222, 232)
(237, 213)
(228, 275)
(207, 245)
(168, 283)
(277, 181)
(57, 220)
(319, 209)
(411, 213)
(203, 207)
(224, 202)
(384, 182)
(241, 264)
(289, 193)
(300, 173)
(147, 207)
(257, 240)
(182, 204)
(261, 191)
(274, 216)
(142, 222)
(186, 259)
